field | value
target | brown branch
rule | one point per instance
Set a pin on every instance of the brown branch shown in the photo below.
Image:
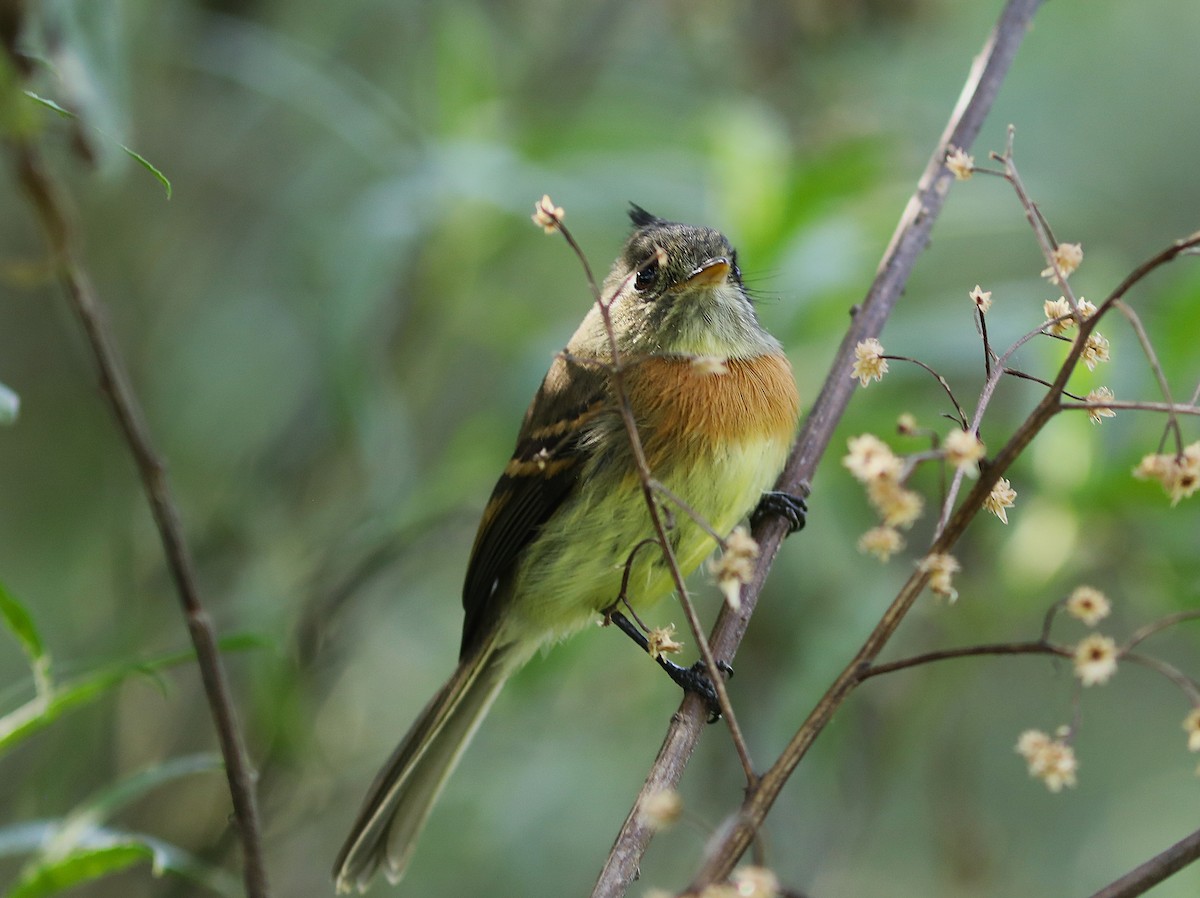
(909, 239)
(1159, 625)
(962, 416)
(1143, 877)
(1039, 647)
(50, 210)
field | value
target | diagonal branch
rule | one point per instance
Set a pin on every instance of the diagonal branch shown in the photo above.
(1145, 876)
(51, 212)
(910, 238)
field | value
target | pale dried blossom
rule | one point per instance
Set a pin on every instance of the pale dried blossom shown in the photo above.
(871, 459)
(1100, 394)
(710, 364)
(898, 506)
(1067, 256)
(941, 568)
(869, 363)
(906, 425)
(661, 641)
(1050, 760)
(735, 566)
(1178, 474)
(1054, 310)
(660, 809)
(982, 298)
(546, 215)
(959, 163)
(754, 882)
(1088, 604)
(882, 542)
(1002, 497)
(1095, 659)
(963, 450)
(1095, 350)
(1191, 726)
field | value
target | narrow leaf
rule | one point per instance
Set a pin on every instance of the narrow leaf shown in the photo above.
(133, 154)
(20, 622)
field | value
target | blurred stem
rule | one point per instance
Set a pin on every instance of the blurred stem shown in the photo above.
(43, 195)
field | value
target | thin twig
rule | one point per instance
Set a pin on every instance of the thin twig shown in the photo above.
(1186, 684)
(51, 212)
(962, 416)
(1134, 406)
(1037, 221)
(1159, 625)
(1038, 647)
(909, 239)
(1152, 357)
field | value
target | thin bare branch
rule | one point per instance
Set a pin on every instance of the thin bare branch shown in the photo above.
(1152, 357)
(50, 210)
(962, 416)
(1038, 647)
(1159, 625)
(1145, 876)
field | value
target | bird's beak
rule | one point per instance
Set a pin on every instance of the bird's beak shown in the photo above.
(711, 274)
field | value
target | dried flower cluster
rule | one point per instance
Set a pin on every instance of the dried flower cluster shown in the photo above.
(941, 568)
(1100, 394)
(1178, 474)
(1088, 604)
(959, 163)
(1001, 498)
(1067, 257)
(546, 215)
(1050, 760)
(1095, 659)
(963, 450)
(661, 641)
(661, 809)
(735, 566)
(869, 363)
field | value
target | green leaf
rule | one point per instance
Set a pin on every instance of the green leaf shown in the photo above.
(50, 104)
(99, 852)
(108, 801)
(133, 154)
(84, 865)
(20, 623)
(10, 405)
(43, 710)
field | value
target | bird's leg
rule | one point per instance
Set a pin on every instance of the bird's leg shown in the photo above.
(785, 505)
(690, 679)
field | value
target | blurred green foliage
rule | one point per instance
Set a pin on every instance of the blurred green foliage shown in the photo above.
(337, 320)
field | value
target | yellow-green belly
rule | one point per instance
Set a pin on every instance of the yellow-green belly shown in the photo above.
(573, 570)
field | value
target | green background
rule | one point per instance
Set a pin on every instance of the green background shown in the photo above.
(338, 318)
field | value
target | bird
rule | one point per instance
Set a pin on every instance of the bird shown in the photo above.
(716, 408)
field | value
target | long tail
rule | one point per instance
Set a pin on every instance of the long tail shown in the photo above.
(405, 790)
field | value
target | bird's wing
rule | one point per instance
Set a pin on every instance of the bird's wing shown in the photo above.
(544, 470)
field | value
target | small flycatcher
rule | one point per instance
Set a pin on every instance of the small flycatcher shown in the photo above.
(568, 510)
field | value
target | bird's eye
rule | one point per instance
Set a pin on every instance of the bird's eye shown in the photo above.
(645, 277)
(734, 270)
